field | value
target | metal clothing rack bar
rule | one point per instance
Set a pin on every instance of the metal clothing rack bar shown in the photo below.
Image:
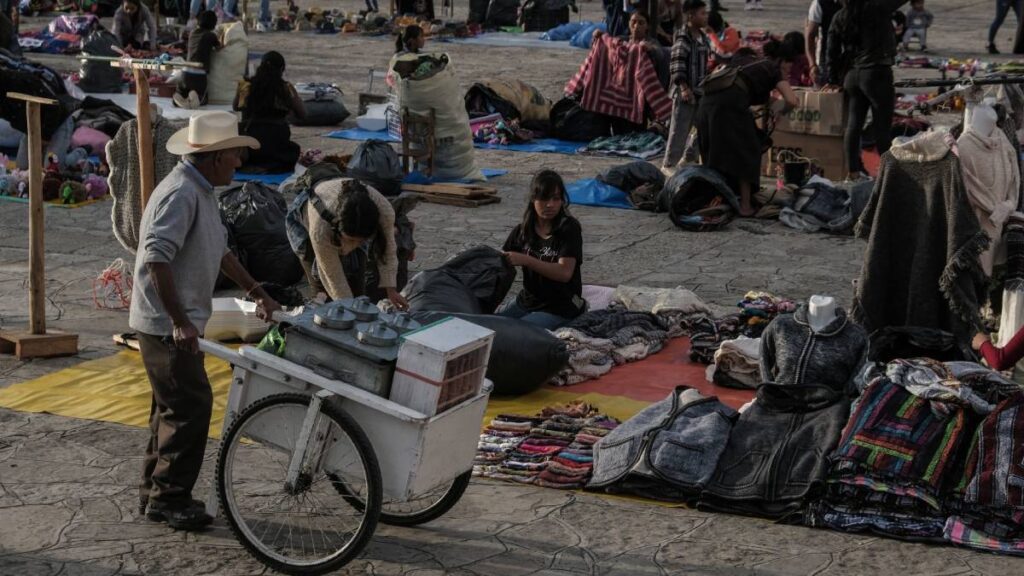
(992, 80)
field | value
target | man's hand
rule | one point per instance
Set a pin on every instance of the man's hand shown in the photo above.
(186, 337)
(815, 72)
(686, 93)
(516, 258)
(397, 299)
(597, 34)
(831, 88)
(979, 339)
(265, 308)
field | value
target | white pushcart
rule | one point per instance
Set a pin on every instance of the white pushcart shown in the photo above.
(308, 465)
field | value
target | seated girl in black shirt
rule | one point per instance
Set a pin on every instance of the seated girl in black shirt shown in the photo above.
(548, 245)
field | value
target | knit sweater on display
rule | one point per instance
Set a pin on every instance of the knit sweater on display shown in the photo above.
(921, 265)
(992, 179)
(328, 254)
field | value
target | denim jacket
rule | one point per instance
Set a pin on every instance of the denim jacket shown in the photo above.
(677, 440)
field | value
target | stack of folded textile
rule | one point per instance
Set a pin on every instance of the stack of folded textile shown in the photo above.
(757, 310)
(555, 452)
(499, 439)
(907, 436)
(601, 339)
(989, 504)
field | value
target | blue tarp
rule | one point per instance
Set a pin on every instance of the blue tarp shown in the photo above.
(268, 179)
(591, 192)
(552, 145)
(585, 36)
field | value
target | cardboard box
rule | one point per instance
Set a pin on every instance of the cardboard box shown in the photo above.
(819, 113)
(824, 151)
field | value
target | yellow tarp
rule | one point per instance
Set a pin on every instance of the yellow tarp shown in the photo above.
(115, 389)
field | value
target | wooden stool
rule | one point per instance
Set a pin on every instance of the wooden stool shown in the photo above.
(418, 141)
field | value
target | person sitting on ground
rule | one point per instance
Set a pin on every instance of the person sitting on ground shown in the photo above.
(342, 217)
(135, 26)
(800, 71)
(726, 132)
(202, 43)
(919, 21)
(689, 66)
(410, 40)
(548, 246)
(266, 102)
(724, 39)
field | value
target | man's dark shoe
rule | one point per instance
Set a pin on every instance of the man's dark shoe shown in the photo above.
(190, 516)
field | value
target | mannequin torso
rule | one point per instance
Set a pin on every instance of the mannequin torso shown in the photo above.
(820, 311)
(983, 119)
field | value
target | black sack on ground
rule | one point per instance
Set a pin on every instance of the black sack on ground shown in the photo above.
(629, 177)
(375, 163)
(571, 122)
(100, 76)
(523, 356)
(475, 281)
(254, 215)
(698, 199)
(502, 13)
(33, 79)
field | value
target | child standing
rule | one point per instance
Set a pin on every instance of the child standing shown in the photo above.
(688, 66)
(918, 22)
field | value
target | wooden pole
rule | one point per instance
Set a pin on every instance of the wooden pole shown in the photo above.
(36, 342)
(145, 136)
(36, 223)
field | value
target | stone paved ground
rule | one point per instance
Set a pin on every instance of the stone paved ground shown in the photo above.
(66, 486)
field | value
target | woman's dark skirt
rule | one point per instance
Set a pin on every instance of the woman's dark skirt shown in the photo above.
(728, 137)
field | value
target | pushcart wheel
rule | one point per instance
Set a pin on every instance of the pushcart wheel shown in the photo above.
(302, 526)
(419, 510)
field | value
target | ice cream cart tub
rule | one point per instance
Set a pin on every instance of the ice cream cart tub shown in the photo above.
(308, 464)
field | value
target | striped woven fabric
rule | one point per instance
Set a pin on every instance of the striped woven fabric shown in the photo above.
(618, 79)
(896, 436)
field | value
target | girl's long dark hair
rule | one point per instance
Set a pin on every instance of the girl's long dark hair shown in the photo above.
(546, 184)
(410, 33)
(360, 217)
(268, 85)
(136, 17)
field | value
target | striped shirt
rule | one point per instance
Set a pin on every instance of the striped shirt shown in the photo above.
(618, 79)
(689, 62)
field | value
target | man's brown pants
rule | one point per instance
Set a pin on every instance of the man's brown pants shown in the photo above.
(179, 420)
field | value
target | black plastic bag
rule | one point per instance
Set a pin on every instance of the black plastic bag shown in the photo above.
(323, 113)
(475, 281)
(698, 199)
(100, 76)
(523, 356)
(629, 177)
(255, 218)
(571, 122)
(35, 80)
(502, 13)
(375, 163)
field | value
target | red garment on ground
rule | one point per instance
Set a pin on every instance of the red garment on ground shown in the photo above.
(617, 79)
(1004, 358)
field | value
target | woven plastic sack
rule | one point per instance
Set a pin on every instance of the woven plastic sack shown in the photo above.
(440, 92)
(227, 65)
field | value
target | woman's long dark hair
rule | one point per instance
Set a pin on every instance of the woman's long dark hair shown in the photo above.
(267, 84)
(135, 17)
(780, 51)
(406, 36)
(546, 184)
(360, 218)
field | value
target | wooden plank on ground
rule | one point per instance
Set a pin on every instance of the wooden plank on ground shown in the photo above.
(464, 190)
(457, 201)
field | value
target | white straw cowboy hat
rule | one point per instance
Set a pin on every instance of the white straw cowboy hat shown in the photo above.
(209, 132)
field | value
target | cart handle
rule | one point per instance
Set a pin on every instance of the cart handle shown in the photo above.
(219, 350)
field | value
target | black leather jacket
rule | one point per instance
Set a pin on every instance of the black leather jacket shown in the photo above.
(875, 46)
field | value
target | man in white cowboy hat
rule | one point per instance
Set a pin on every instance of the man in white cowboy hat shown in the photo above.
(182, 247)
